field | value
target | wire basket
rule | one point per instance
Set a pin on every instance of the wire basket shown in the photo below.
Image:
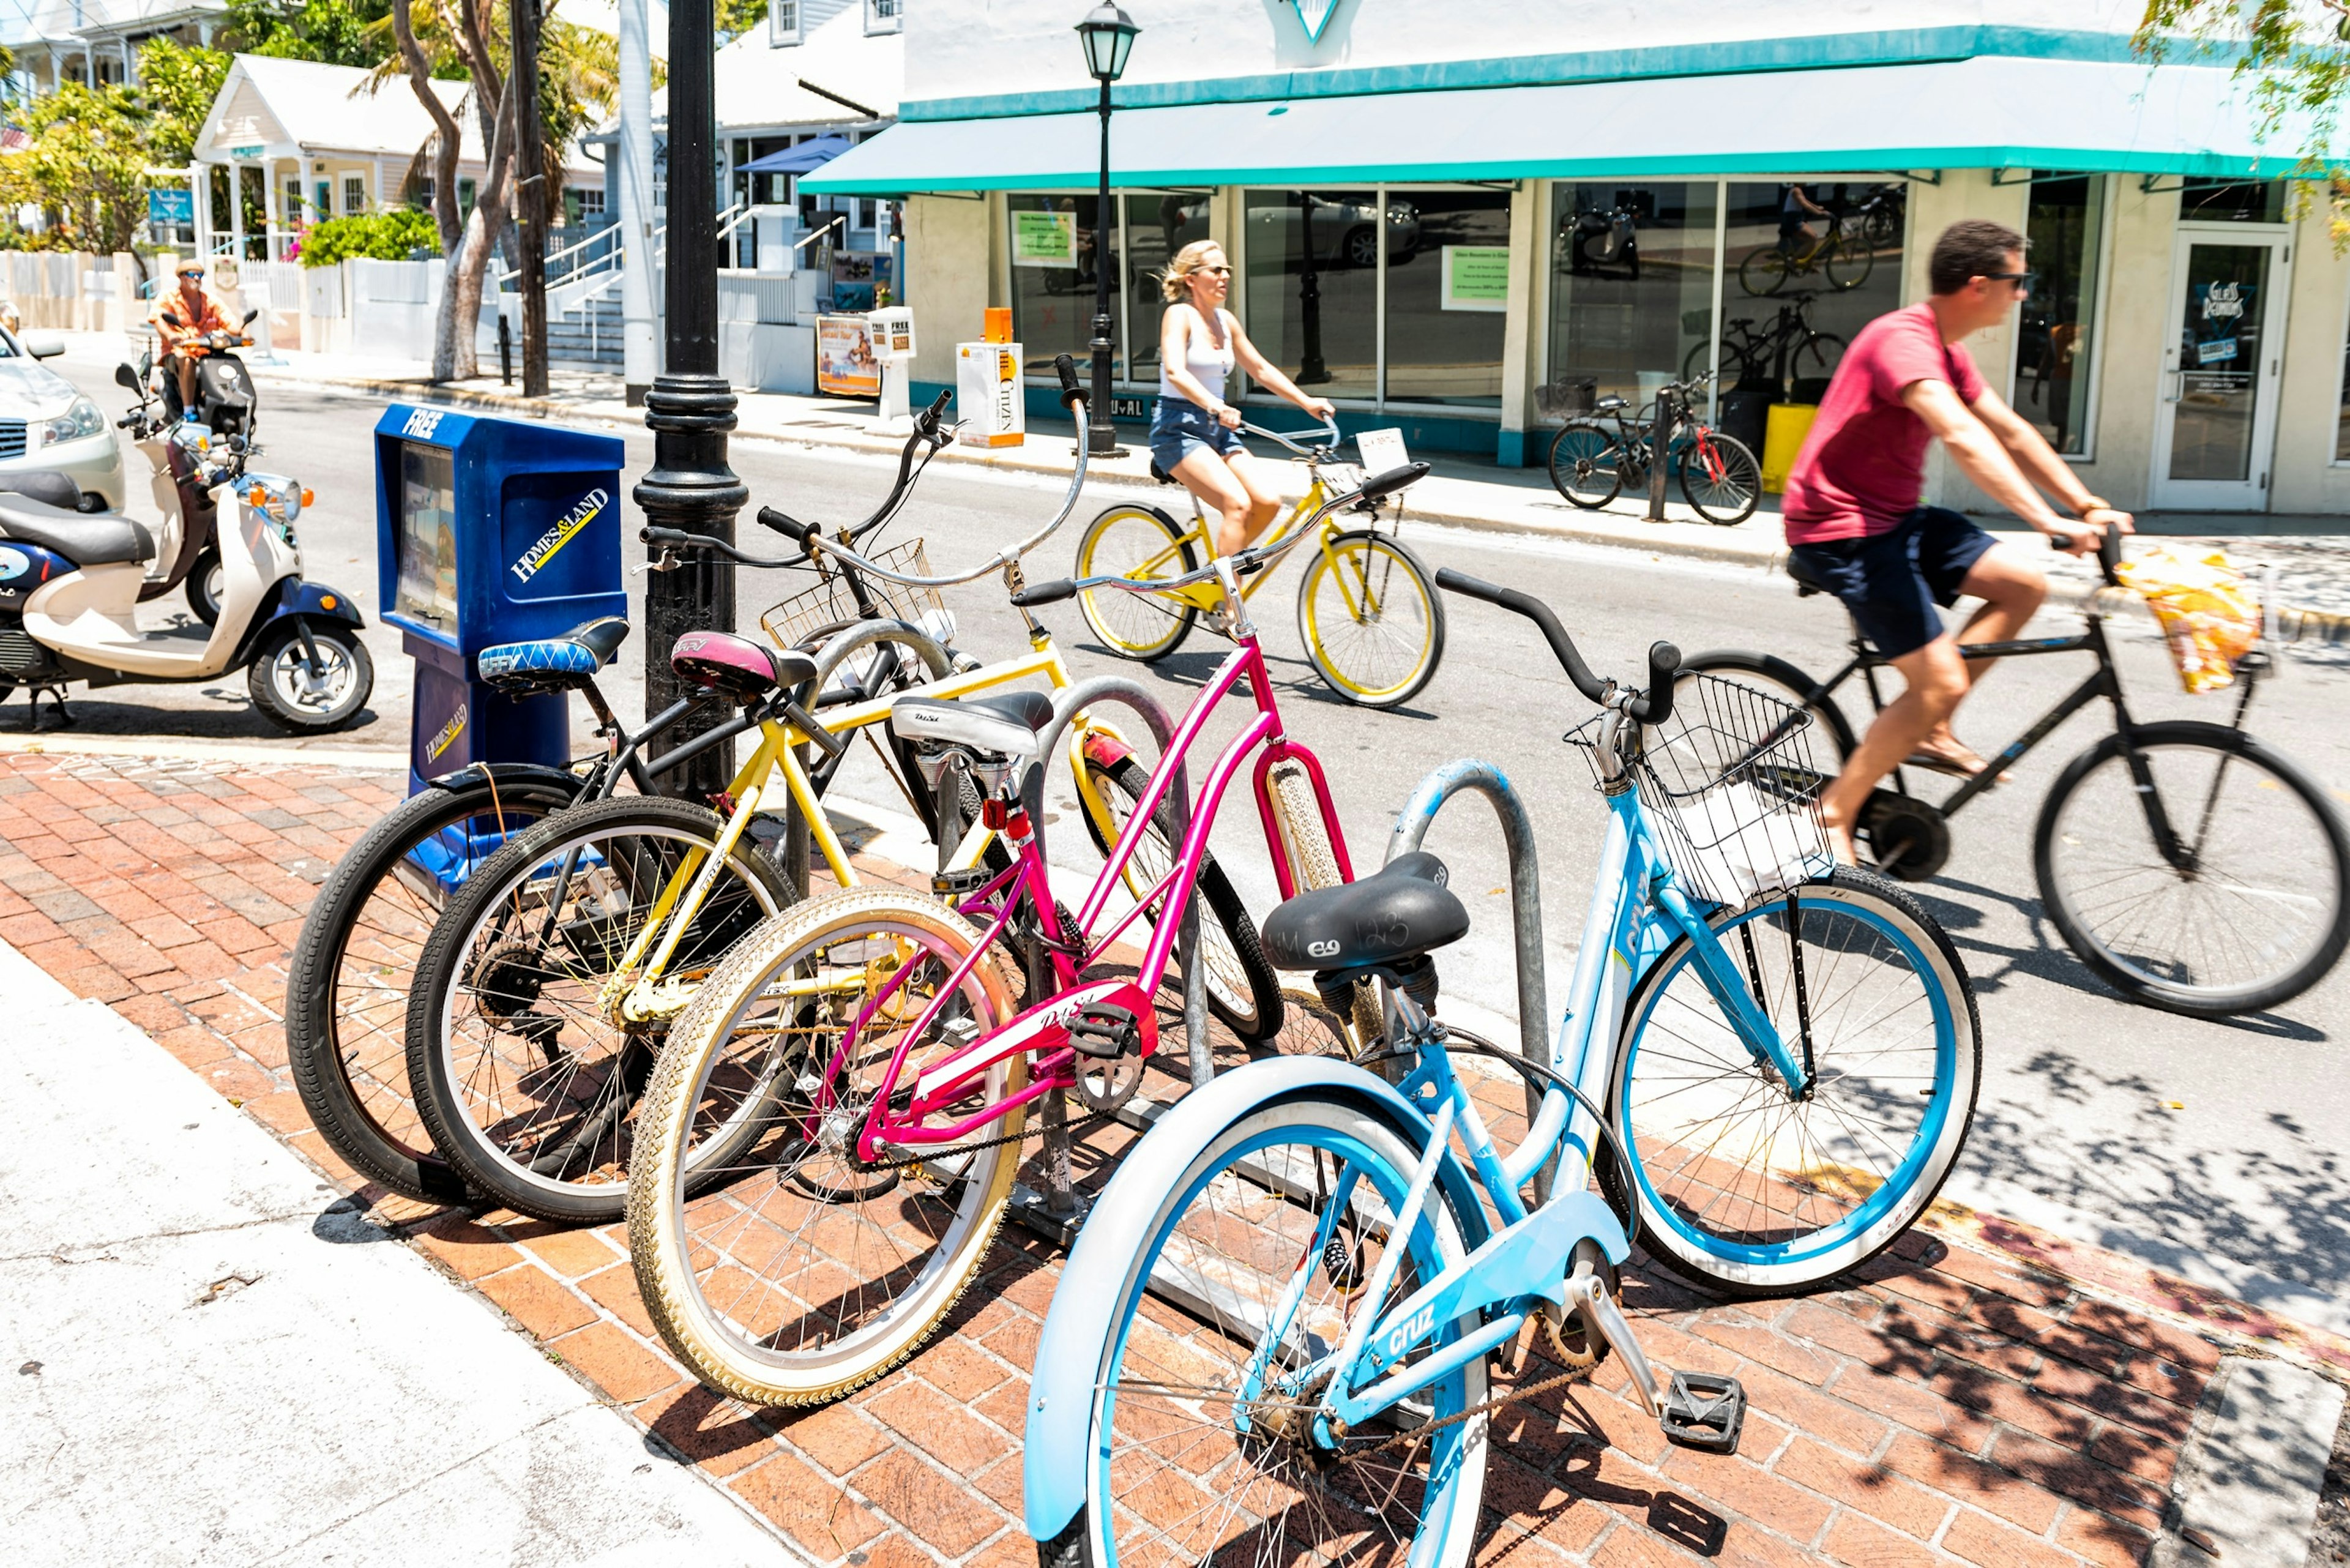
(806, 618)
(1730, 789)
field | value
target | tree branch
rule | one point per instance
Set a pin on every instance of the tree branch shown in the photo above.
(448, 134)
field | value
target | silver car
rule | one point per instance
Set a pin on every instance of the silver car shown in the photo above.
(46, 424)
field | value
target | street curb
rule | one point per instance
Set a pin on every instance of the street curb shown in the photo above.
(2293, 625)
(2247, 1485)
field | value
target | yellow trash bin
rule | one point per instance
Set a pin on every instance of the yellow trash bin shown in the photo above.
(1782, 437)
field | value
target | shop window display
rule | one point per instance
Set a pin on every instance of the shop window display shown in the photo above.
(1052, 277)
(1448, 273)
(1807, 265)
(1311, 265)
(2055, 339)
(1157, 225)
(1631, 297)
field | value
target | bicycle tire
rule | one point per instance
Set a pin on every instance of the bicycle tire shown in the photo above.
(1586, 464)
(1243, 990)
(1816, 357)
(1367, 686)
(1114, 620)
(357, 1094)
(1779, 679)
(1764, 271)
(1317, 1127)
(2323, 846)
(1730, 498)
(1848, 263)
(444, 1089)
(1748, 1263)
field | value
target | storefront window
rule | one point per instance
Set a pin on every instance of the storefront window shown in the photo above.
(2055, 344)
(1311, 287)
(1808, 265)
(2204, 201)
(2342, 416)
(1053, 279)
(1631, 298)
(1157, 226)
(1447, 271)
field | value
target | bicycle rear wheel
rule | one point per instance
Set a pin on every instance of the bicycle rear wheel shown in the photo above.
(2251, 914)
(1720, 478)
(1764, 271)
(1371, 618)
(1190, 1463)
(1586, 464)
(786, 1267)
(1141, 543)
(1750, 1191)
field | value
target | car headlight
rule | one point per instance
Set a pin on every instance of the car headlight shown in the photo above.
(80, 419)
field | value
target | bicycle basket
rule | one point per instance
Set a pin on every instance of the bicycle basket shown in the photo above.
(1731, 791)
(808, 617)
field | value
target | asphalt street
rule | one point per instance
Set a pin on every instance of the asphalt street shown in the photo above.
(2219, 1151)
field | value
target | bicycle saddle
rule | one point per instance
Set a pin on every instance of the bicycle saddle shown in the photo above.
(1806, 584)
(1161, 474)
(737, 667)
(1608, 404)
(552, 663)
(1399, 911)
(1004, 724)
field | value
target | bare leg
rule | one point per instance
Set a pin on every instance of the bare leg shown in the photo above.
(1937, 678)
(186, 368)
(1220, 490)
(1264, 504)
(2012, 588)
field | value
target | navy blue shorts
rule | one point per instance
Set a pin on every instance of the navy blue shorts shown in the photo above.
(1179, 428)
(1892, 582)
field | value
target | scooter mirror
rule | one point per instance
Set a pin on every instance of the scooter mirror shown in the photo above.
(146, 366)
(173, 319)
(127, 377)
(251, 316)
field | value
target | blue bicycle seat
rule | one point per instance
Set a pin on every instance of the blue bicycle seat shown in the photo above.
(552, 663)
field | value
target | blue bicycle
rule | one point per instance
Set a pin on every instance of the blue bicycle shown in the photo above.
(1271, 1341)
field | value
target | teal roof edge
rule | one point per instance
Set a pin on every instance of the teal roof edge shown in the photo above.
(1823, 51)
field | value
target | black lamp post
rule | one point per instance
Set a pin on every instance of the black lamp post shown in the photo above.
(690, 407)
(1109, 36)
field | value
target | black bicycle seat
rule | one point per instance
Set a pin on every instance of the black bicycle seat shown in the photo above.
(1161, 474)
(1806, 584)
(1399, 911)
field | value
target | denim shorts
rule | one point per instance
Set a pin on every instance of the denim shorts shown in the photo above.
(1891, 582)
(1179, 428)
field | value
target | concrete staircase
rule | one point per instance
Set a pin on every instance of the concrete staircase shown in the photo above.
(588, 335)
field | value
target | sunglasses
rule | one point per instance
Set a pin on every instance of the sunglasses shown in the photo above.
(192, 273)
(2023, 280)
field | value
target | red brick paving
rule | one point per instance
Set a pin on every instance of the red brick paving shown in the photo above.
(1990, 1394)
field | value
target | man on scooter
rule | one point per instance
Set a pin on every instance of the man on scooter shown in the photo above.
(182, 317)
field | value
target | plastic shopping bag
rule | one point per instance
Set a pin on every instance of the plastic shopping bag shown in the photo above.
(2208, 611)
(1743, 844)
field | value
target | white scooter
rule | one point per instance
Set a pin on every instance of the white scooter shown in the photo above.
(70, 582)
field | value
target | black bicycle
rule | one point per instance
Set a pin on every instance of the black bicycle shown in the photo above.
(1789, 349)
(2190, 866)
(1593, 458)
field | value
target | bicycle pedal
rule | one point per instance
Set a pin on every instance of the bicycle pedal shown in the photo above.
(1704, 1410)
(956, 884)
(1105, 1032)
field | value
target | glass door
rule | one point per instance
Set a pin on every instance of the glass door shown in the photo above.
(2216, 427)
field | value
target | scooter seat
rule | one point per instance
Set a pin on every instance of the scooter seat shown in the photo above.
(1004, 724)
(1399, 911)
(737, 667)
(552, 663)
(85, 538)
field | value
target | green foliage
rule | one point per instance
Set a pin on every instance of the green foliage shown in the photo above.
(177, 83)
(384, 237)
(337, 32)
(733, 18)
(86, 168)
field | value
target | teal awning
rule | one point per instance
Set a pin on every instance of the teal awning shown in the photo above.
(1988, 112)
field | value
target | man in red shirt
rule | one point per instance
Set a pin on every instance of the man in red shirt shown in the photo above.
(1856, 527)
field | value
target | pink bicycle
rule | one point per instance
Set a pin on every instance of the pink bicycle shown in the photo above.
(869, 1055)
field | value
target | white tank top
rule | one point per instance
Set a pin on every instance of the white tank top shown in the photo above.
(1208, 364)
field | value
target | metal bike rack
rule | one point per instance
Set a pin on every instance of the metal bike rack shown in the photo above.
(1526, 895)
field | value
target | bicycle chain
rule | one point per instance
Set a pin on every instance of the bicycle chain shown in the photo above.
(1497, 1402)
(876, 1165)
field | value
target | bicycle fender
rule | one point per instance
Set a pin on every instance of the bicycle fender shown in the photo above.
(508, 775)
(1058, 1459)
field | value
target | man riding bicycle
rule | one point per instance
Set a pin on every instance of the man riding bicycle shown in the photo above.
(1855, 524)
(180, 316)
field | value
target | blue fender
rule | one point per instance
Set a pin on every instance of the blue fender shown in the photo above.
(294, 598)
(1057, 1466)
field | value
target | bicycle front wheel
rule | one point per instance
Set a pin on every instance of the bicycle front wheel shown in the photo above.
(1143, 543)
(2247, 911)
(354, 965)
(1198, 1455)
(530, 1038)
(1586, 465)
(1747, 1189)
(1371, 618)
(791, 1265)
(1719, 479)
(1849, 262)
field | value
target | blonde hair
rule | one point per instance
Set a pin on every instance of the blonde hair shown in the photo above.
(1174, 283)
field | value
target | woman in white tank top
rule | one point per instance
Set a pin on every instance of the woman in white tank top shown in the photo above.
(1194, 433)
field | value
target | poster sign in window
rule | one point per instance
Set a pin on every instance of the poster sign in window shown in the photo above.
(1044, 239)
(1476, 277)
(2215, 353)
(844, 364)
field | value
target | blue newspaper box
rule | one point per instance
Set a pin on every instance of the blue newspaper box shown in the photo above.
(490, 531)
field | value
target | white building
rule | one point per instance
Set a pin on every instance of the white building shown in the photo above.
(1463, 219)
(96, 42)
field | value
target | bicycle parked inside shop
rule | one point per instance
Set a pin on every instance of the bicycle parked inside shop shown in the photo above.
(1786, 353)
(1594, 459)
(1368, 610)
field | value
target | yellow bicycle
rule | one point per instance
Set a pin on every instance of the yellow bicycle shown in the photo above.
(1368, 610)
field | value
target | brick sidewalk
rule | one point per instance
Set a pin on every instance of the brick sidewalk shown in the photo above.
(1993, 1395)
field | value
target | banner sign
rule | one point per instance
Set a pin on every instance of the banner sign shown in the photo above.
(173, 209)
(1045, 239)
(1476, 277)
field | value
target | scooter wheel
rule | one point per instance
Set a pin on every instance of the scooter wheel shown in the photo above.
(301, 701)
(204, 587)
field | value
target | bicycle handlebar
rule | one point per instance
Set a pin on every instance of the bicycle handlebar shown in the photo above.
(1329, 429)
(2109, 553)
(677, 539)
(1653, 707)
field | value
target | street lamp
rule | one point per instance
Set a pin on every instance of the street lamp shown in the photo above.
(1108, 34)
